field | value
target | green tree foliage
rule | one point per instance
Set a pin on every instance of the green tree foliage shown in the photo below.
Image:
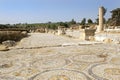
(53, 26)
(83, 22)
(72, 22)
(49, 25)
(62, 24)
(89, 21)
(115, 18)
(104, 10)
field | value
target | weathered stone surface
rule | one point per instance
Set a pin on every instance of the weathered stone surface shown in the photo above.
(7, 66)
(61, 30)
(88, 58)
(115, 60)
(59, 77)
(101, 14)
(112, 71)
(3, 48)
(108, 37)
(86, 34)
(107, 40)
(106, 72)
(9, 43)
(42, 57)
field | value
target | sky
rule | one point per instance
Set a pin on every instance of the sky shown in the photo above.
(41, 11)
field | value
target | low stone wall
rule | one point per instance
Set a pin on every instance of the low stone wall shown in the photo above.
(114, 37)
(82, 34)
(112, 30)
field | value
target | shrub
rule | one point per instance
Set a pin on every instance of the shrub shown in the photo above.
(11, 35)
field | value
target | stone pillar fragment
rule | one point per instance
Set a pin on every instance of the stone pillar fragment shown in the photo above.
(61, 30)
(101, 14)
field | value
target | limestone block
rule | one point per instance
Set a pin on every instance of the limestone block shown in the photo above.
(61, 32)
(3, 48)
(107, 40)
(86, 34)
(91, 38)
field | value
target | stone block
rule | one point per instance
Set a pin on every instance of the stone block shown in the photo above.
(3, 48)
(107, 40)
(87, 34)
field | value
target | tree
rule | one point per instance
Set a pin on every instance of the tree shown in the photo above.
(97, 21)
(63, 24)
(72, 22)
(104, 11)
(48, 26)
(83, 22)
(115, 18)
(53, 26)
(89, 21)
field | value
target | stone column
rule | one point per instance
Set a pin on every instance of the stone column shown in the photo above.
(100, 27)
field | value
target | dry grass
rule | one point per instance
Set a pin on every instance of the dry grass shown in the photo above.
(11, 35)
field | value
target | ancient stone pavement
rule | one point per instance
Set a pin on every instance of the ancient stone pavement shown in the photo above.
(51, 57)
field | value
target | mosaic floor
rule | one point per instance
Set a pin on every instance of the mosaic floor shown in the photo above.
(43, 57)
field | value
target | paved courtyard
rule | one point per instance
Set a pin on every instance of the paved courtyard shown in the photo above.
(51, 57)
